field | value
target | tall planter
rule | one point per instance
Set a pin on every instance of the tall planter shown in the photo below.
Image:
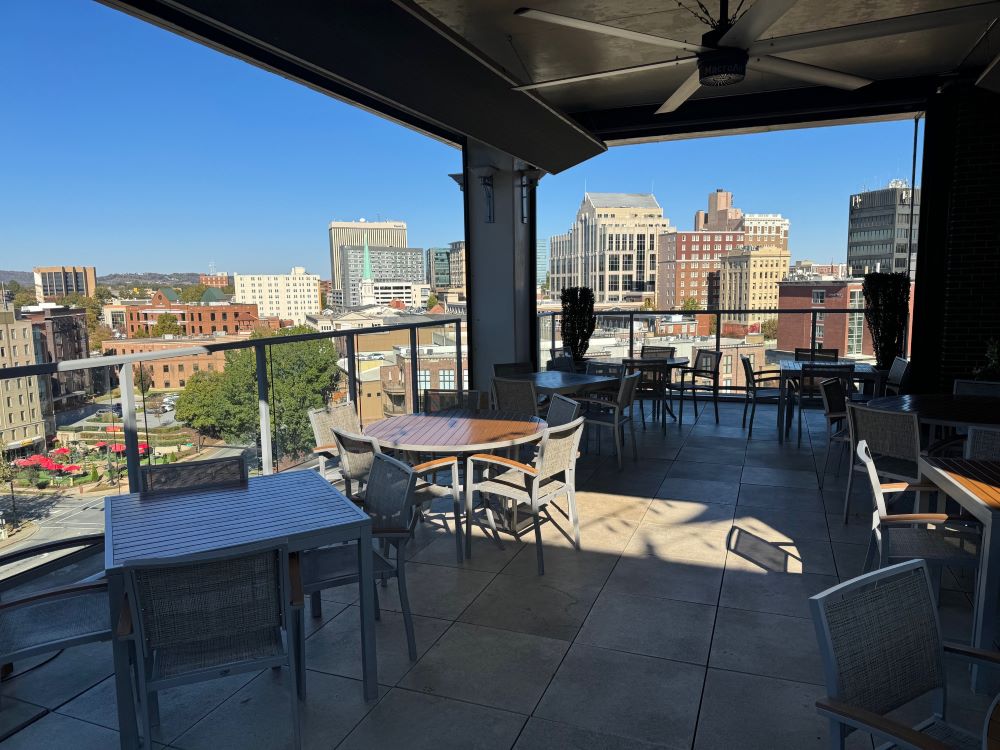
(887, 299)
(578, 319)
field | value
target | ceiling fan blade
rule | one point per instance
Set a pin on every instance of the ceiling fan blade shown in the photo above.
(875, 29)
(606, 74)
(803, 72)
(601, 28)
(682, 94)
(759, 18)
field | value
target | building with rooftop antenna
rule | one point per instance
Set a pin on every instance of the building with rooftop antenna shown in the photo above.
(378, 233)
(878, 233)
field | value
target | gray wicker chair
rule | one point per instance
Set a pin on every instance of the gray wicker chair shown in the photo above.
(503, 369)
(899, 375)
(437, 399)
(614, 415)
(653, 383)
(562, 411)
(356, 452)
(982, 445)
(230, 471)
(893, 438)
(391, 501)
(515, 396)
(702, 376)
(202, 617)
(343, 417)
(59, 602)
(755, 394)
(881, 644)
(835, 412)
(908, 536)
(523, 491)
(562, 363)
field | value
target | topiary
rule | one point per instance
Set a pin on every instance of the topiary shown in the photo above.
(578, 319)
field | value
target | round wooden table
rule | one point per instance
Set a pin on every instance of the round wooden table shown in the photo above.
(456, 431)
(945, 409)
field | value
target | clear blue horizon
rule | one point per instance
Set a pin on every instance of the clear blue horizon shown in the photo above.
(132, 149)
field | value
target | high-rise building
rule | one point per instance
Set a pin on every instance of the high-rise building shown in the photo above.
(721, 215)
(438, 267)
(378, 234)
(22, 423)
(289, 296)
(541, 260)
(766, 230)
(401, 264)
(749, 281)
(878, 233)
(52, 283)
(456, 265)
(689, 265)
(611, 247)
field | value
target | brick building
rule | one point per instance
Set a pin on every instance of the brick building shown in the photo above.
(215, 280)
(435, 369)
(172, 374)
(687, 263)
(845, 332)
(194, 318)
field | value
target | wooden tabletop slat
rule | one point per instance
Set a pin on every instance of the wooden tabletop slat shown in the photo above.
(455, 430)
(980, 479)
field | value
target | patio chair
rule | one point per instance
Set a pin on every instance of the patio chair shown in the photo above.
(70, 611)
(562, 363)
(437, 399)
(201, 617)
(899, 375)
(806, 387)
(705, 367)
(323, 420)
(562, 411)
(606, 370)
(356, 452)
(907, 536)
(819, 354)
(835, 414)
(615, 415)
(653, 383)
(950, 440)
(516, 396)
(755, 394)
(524, 491)
(503, 370)
(230, 471)
(982, 444)
(391, 501)
(881, 644)
(893, 439)
(976, 388)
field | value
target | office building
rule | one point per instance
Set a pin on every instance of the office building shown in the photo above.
(611, 247)
(438, 268)
(194, 318)
(52, 283)
(748, 280)
(355, 233)
(288, 296)
(688, 267)
(541, 260)
(388, 264)
(806, 269)
(456, 266)
(22, 423)
(766, 230)
(878, 233)
(217, 280)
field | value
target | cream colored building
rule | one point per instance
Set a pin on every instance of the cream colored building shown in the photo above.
(289, 296)
(377, 234)
(748, 280)
(766, 230)
(22, 423)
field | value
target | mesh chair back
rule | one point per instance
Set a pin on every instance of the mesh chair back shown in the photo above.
(651, 351)
(748, 374)
(389, 496)
(880, 638)
(605, 369)
(819, 354)
(982, 445)
(505, 369)
(217, 472)
(356, 454)
(626, 391)
(223, 597)
(708, 360)
(559, 447)
(812, 371)
(562, 363)
(834, 396)
(898, 372)
(889, 434)
(324, 420)
(438, 399)
(976, 388)
(517, 396)
(562, 410)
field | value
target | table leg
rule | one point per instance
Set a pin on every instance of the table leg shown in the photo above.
(128, 729)
(782, 382)
(366, 590)
(985, 680)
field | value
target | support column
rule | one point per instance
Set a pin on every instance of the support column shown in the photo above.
(500, 260)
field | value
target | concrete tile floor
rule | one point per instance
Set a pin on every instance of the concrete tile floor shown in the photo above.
(681, 624)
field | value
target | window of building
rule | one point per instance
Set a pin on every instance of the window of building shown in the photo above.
(727, 364)
(446, 379)
(819, 296)
(166, 368)
(423, 379)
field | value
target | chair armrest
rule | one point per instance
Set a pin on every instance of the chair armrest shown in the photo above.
(973, 654)
(901, 734)
(434, 465)
(325, 448)
(905, 487)
(907, 518)
(124, 627)
(298, 597)
(488, 458)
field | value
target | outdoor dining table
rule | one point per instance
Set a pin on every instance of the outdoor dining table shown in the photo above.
(298, 509)
(660, 368)
(945, 409)
(975, 485)
(791, 369)
(550, 382)
(456, 431)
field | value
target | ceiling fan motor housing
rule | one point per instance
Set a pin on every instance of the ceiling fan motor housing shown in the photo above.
(722, 67)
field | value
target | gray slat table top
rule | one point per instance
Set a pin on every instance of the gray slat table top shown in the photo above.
(860, 368)
(557, 381)
(295, 507)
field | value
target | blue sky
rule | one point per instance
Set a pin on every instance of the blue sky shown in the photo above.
(131, 149)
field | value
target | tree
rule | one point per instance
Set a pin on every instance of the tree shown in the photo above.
(101, 334)
(22, 295)
(647, 304)
(691, 303)
(7, 474)
(192, 293)
(545, 284)
(144, 378)
(103, 294)
(165, 324)
(432, 300)
(229, 290)
(769, 328)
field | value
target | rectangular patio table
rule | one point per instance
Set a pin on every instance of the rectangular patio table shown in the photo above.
(975, 485)
(549, 382)
(298, 509)
(791, 369)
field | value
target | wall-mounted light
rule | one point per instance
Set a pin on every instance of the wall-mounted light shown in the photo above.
(529, 179)
(485, 177)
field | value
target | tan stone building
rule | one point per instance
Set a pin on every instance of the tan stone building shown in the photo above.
(748, 280)
(22, 423)
(52, 283)
(766, 230)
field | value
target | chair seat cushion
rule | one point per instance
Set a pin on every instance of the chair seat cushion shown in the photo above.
(928, 544)
(517, 486)
(85, 615)
(336, 565)
(217, 653)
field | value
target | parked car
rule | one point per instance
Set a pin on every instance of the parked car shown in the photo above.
(116, 409)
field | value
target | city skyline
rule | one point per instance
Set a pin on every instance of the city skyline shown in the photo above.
(140, 163)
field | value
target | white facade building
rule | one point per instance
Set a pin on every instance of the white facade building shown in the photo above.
(289, 296)
(376, 233)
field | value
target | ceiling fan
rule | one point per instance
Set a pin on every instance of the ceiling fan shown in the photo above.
(733, 43)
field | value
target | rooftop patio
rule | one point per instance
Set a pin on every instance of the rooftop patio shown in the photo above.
(682, 622)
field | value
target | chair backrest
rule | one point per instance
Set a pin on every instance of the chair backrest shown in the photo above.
(881, 509)
(819, 354)
(898, 372)
(748, 374)
(626, 391)
(834, 396)
(230, 471)
(502, 370)
(708, 360)
(880, 639)
(343, 417)
(982, 445)
(888, 433)
(439, 399)
(562, 410)
(516, 396)
(390, 494)
(356, 454)
(656, 351)
(229, 595)
(976, 388)
(562, 363)
(607, 369)
(559, 447)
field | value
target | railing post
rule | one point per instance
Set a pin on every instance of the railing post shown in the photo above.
(458, 360)
(552, 326)
(812, 336)
(414, 389)
(631, 335)
(718, 331)
(267, 460)
(126, 382)
(352, 372)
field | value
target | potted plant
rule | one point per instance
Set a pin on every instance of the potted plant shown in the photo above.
(578, 320)
(887, 304)
(990, 369)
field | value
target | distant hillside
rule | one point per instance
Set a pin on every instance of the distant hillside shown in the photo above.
(24, 278)
(147, 279)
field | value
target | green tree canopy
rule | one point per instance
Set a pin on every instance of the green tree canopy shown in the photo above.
(769, 328)
(691, 303)
(432, 300)
(144, 378)
(22, 295)
(192, 293)
(166, 324)
(103, 294)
